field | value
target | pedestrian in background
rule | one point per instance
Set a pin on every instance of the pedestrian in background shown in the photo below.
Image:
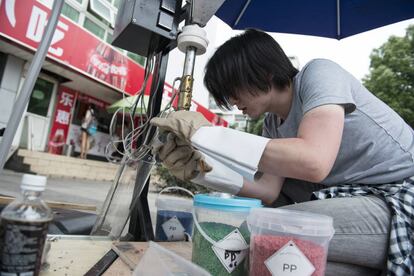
(88, 128)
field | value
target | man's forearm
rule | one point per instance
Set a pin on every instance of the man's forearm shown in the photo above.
(267, 188)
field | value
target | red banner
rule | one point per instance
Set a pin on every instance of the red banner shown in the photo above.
(60, 125)
(212, 117)
(215, 119)
(72, 46)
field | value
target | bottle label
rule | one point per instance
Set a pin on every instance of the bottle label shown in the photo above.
(21, 247)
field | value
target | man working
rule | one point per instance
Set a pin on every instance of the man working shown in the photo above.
(325, 136)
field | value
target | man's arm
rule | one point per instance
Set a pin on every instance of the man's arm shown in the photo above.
(308, 157)
(312, 154)
(267, 188)
(183, 161)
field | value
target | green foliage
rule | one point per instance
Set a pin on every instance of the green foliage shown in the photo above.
(169, 180)
(233, 126)
(391, 76)
(255, 126)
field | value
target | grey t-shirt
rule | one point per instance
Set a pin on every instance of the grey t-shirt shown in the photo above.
(377, 145)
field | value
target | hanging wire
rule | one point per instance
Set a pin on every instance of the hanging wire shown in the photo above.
(125, 138)
(129, 138)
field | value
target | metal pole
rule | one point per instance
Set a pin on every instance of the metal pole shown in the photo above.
(189, 61)
(32, 74)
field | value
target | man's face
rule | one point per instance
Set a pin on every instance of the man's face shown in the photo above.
(252, 105)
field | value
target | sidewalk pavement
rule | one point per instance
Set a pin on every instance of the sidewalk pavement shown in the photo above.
(60, 189)
(69, 191)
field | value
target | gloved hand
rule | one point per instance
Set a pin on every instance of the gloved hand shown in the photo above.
(186, 163)
(180, 158)
(240, 151)
(182, 123)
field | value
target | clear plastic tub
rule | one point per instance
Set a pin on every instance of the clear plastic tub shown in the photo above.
(160, 261)
(286, 242)
(174, 216)
(221, 237)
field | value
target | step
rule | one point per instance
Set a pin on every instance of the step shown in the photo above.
(15, 163)
(68, 167)
(30, 155)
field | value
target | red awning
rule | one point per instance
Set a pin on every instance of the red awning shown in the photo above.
(195, 106)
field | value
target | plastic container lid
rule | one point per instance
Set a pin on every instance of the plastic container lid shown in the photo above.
(33, 182)
(174, 204)
(291, 222)
(226, 202)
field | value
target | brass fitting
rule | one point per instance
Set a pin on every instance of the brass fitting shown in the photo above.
(186, 89)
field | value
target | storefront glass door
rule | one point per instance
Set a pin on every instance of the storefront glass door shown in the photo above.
(38, 115)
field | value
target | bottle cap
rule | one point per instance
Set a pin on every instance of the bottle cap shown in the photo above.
(33, 182)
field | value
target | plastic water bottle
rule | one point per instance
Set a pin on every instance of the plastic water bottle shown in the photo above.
(23, 229)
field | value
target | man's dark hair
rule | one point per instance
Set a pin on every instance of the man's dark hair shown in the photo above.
(252, 61)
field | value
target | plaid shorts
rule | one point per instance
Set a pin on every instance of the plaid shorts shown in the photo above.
(399, 197)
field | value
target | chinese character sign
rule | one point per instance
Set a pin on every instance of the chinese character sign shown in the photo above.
(24, 22)
(61, 119)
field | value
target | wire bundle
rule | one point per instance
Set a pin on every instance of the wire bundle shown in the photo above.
(137, 140)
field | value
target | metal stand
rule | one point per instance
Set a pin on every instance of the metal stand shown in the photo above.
(192, 40)
(140, 226)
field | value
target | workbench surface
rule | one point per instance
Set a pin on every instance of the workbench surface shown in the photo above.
(75, 255)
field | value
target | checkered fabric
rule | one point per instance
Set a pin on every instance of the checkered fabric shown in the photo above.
(399, 197)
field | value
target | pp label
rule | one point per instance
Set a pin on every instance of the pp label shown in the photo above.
(289, 261)
(173, 229)
(231, 250)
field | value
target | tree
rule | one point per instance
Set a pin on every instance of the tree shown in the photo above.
(163, 179)
(391, 76)
(255, 126)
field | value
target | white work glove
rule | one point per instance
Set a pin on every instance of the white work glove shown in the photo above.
(186, 163)
(221, 178)
(240, 151)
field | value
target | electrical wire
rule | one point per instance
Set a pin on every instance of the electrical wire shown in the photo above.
(129, 138)
(125, 138)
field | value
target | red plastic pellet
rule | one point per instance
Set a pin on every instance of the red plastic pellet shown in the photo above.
(264, 246)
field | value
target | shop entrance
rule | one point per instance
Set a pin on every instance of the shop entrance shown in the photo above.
(37, 119)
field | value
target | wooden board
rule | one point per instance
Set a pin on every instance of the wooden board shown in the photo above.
(130, 254)
(74, 257)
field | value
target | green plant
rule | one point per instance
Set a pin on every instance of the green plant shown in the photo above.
(169, 180)
(255, 126)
